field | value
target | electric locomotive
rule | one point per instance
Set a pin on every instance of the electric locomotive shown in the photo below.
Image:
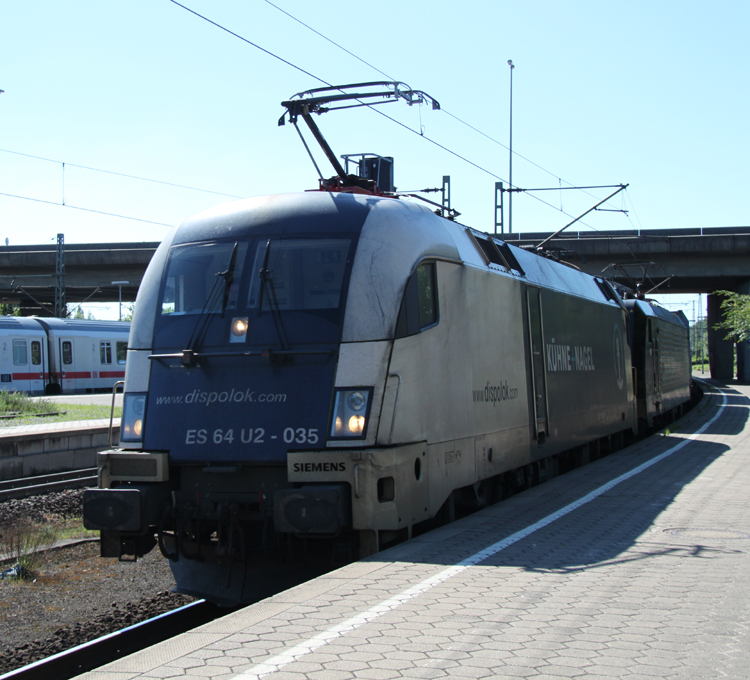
(328, 363)
(338, 367)
(661, 361)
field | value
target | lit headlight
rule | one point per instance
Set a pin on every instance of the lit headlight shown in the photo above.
(238, 329)
(133, 415)
(351, 407)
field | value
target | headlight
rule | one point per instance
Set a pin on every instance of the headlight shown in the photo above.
(238, 329)
(351, 410)
(133, 416)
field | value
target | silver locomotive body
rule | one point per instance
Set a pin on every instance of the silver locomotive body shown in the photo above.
(346, 367)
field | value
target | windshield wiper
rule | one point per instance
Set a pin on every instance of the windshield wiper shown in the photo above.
(204, 320)
(267, 281)
(228, 277)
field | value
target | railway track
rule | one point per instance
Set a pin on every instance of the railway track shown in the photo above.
(60, 481)
(103, 650)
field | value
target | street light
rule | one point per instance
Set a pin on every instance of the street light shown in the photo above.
(510, 154)
(119, 285)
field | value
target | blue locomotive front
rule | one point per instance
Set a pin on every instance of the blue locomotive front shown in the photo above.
(234, 347)
(245, 333)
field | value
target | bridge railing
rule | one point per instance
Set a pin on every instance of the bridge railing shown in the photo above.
(628, 233)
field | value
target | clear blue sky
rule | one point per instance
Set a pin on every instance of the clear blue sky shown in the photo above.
(654, 94)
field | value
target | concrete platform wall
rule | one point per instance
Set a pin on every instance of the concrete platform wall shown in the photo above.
(40, 453)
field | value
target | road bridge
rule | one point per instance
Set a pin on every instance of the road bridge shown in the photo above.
(700, 260)
(660, 260)
(28, 273)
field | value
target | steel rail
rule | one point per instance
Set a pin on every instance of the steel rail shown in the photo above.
(108, 648)
(39, 484)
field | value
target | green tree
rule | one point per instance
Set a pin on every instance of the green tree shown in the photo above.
(699, 341)
(736, 308)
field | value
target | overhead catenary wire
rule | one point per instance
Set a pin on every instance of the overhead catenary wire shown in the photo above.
(451, 115)
(420, 132)
(325, 82)
(443, 109)
(118, 174)
(75, 207)
(249, 42)
(333, 42)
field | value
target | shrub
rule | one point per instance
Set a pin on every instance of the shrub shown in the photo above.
(27, 544)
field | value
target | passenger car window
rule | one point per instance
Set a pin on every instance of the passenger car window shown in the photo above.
(105, 352)
(419, 308)
(122, 352)
(20, 353)
(36, 352)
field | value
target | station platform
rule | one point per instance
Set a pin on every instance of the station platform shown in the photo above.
(48, 447)
(635, 566)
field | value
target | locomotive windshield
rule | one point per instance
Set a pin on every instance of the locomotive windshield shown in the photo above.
(196, 273)
(298, 274)
(285, 290)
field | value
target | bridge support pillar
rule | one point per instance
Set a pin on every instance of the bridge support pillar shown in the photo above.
(743, 348)
(720, 351)
(743, 361)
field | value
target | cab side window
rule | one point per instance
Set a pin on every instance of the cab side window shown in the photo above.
(419, 308)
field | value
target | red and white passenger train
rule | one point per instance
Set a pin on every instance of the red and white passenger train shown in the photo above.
(55, 356)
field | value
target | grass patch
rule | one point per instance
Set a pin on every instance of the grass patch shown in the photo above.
(25, 410)
(16, 402)
(73, 528)
(27, 544)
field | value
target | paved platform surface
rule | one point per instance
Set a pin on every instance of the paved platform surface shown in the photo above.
(68, 426)
(103, 399)
(635, 566)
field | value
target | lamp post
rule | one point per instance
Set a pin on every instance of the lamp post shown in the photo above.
(119, 285)
(510, 154)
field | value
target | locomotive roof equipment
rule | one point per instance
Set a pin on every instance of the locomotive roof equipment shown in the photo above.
(334, 98)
